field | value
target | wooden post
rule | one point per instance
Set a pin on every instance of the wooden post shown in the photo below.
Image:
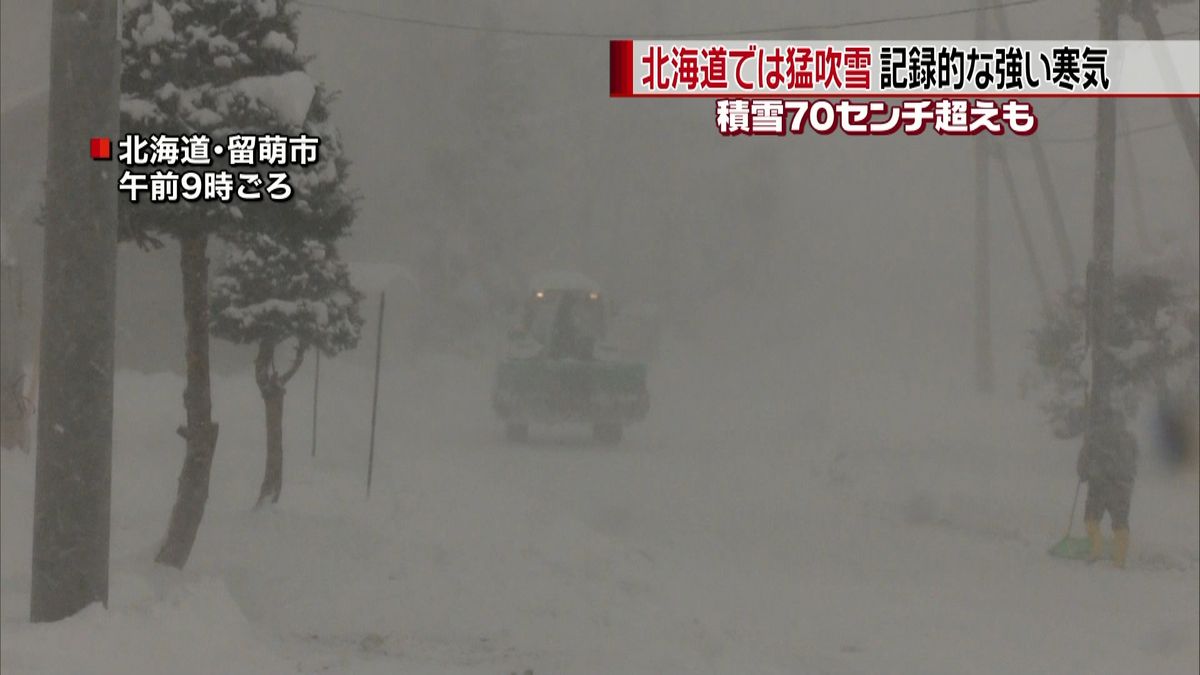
(73, 482)
(316, 391)
(375, 396)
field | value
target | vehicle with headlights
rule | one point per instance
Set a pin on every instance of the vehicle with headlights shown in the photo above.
(558, 368)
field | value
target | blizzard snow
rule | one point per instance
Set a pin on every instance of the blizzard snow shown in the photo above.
(140, 109)
(265, 8)
(852, 525)
(154, 632)
(279, 41)
(155, 27)
(822, 506)
(562, 280)
(288, 95)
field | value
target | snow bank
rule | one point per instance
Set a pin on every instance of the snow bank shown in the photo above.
(859, 524)
(196, 630)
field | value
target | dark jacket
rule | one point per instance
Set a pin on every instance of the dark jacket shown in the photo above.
(1108, 454)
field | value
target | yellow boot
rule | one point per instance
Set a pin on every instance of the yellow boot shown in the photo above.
(1094, 539)
(1120, 546)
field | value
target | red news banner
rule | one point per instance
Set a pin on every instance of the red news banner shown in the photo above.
(775, 88)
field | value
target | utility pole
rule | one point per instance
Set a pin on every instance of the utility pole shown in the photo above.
(1135, 187)
(73, 483)
(1042, 166)
(1058, 222)
(1100, 271)
(1144, 13)
(1035, 267)
(984, 369)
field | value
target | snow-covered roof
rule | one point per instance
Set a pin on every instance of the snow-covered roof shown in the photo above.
(562, 281)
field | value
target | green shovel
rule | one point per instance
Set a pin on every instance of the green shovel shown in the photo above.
(1075, 548)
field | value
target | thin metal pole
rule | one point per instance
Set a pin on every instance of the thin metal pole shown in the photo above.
(375, 397)
(316, 390)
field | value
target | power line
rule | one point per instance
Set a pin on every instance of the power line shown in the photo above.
(534, 32)
(1130, 132)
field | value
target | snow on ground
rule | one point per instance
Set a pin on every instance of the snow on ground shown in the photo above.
(767, 518)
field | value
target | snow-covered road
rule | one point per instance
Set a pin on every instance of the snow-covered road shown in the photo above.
(764, 519)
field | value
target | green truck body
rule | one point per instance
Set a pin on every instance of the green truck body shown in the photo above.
(538, 389)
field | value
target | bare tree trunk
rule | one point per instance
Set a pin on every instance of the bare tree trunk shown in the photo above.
(200, 432)
(272, 386)
(272, 394)
(272, 484)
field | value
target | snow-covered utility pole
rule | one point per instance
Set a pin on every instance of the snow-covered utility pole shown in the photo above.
(73, 484)
(1100, 270)
(984, 375)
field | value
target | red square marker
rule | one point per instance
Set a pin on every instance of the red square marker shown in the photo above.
(101, 148)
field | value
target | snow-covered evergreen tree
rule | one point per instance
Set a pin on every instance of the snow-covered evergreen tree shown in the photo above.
(274, 291)
(219, 67)
(1153, 336)
(211, 67)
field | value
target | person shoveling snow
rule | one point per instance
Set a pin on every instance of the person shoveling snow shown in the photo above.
(1108, 464)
